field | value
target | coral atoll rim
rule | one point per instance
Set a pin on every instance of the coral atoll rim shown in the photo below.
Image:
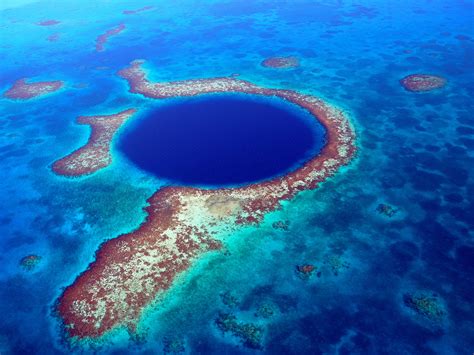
(132, 270)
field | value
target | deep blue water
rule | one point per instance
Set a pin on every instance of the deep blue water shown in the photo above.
(222, 140)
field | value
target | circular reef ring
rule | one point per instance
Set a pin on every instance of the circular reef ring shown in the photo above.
(131, 271)
(222, 140)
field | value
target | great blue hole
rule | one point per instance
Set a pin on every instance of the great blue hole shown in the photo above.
(222, 140)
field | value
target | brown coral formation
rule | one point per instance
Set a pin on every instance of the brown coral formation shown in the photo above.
(131, 271)
(95, 154)
(422, 82)
(103, 38)
(23, 90)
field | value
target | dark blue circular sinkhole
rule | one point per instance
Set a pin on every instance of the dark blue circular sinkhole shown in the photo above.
(222, 140)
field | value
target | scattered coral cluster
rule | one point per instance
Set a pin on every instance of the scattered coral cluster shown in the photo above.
(30, 262)
(425, 304)
(229, 299)
(250, 334)
(265, 310)
(336, 263)
(386, 210)
(305, 271)
(173, 345)
(283, 225)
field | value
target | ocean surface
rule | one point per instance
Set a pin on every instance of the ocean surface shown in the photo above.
(391, 235)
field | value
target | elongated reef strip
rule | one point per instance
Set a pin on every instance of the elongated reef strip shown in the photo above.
(132, 12)
(95, 154)
(103, 38)
(22, 90)
(134, 270)
(48, 23)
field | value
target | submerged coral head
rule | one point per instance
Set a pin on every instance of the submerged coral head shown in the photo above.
(48, 23)
(281, 62)
(30, 262)
(422, 82)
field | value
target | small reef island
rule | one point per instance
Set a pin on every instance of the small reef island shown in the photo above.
(22, 90)
(183, 223)
(422, 82)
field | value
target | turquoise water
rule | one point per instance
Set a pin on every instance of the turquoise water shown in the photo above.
(415, 154)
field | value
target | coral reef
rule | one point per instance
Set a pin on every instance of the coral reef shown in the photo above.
(250, 334)
(48, 23)
(182, 224)
(305, 271)
(95, 154)
(173, 345)
(53, 37)
(425, 304)
(422, 82)
(30, 262)
(103, 38)
(386, 210)
(222, 206)
(281, 62)
(283, 225)
(229, 299)
(132, 12)
(22, 90)
(336, 263)
(265, 310)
